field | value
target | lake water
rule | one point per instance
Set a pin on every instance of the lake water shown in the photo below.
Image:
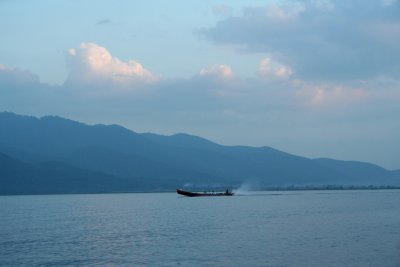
(307, 228)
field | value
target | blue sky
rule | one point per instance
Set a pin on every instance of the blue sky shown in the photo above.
(313, 78)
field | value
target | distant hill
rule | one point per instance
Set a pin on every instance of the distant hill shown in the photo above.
(57, 155)
(55, 177)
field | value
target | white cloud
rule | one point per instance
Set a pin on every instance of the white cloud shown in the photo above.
(93, 64)
(221, 71)
(17, 76)
(270, 69)
(321, 40)
(323, 95)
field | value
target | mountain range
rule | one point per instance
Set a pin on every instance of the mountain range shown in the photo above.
(51, 155)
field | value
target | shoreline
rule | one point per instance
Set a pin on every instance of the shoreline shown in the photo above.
(260, 189)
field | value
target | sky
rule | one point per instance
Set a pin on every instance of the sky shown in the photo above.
(315, 78)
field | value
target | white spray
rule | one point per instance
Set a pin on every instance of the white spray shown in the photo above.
(244, 189)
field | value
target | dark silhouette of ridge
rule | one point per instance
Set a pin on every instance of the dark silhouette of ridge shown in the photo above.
(65, 156)
(18, 177)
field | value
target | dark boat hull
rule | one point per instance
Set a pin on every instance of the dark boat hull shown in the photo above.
(194, 194)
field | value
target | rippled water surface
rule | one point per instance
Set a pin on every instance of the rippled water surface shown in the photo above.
(310, 228)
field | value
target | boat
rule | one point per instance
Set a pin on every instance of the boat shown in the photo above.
(206, 194)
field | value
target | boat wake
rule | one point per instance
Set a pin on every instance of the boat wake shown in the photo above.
(244, 189)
